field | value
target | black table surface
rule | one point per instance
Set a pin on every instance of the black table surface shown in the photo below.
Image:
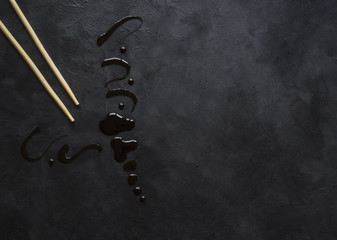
(236, 121)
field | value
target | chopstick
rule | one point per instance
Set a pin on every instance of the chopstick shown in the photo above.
(43, 51)
(36, 71)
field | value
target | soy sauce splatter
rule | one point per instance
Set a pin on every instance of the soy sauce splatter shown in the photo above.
(122, 147)
(122, 49)
(131, 81)
(132, 179)
(142, 199)
(65, 148)
(137, 191)
(105, 36)
(115, 123)
(25, 142)
(121, 106)
(51, 162)
(116, 61)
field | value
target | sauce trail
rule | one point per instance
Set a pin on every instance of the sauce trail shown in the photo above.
(24, 152)
(116, 61)
(105, 36)
(65, 148)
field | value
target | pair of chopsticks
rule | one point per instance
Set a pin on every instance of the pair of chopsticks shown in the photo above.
(46, 57)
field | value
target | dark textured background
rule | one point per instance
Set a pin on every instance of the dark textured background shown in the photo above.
(236, 121)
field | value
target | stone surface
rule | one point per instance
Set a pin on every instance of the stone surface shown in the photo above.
(236, 121)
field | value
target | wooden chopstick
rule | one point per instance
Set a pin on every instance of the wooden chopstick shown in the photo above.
(36, 71)
(43, 51)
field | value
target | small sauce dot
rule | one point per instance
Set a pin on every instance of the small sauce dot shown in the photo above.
(123, 49)
(51, 162)
(132, 179)
(137, 191)
(131, 81)
(121, 106)
(142, 199)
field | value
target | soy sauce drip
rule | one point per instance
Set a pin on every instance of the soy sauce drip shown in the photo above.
(122, 49)
(65, 148)
(123, 92)
(25, 142)
(105, 36)
(122, 147)
(131, 81)
(130, 166)
(115, 123)
(142, 199)
(137, 191)
(117, 61)
(132, 179)
(121, 106)
(51, 162)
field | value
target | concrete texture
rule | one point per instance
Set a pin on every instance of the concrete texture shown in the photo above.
(236, 121)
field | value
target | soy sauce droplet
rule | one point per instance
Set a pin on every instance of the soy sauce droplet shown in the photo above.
(114, 123)
(123, 49)
(131, 81)
(142, 199)
(105, 36)
(137, 191)
(123, 92)
(121, 106)
(24, 146)
(122, 147)
(51, 162)
(132, 179)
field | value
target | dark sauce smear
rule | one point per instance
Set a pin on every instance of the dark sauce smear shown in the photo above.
(137, 191)
(121, 106)
(65, 148)
(123, 92)
(105, 36)
(142, 199)
(122, 147)
(130, 166)
(25, 142)
(116, 61)
(131, 81)
(51, 162)
(132, 179)
(122, 49)
(114, 123)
